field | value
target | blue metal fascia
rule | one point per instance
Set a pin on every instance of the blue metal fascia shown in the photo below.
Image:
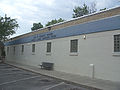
(112, 23)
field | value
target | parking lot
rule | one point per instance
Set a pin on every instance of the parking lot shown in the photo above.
(12, 78)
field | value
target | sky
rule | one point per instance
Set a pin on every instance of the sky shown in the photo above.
(27, 12)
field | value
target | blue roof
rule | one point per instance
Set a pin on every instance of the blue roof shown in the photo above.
(106, 24)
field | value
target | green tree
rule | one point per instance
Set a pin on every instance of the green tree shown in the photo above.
(103, 9)
(7, 27)
(80, 11)
(54, 21)
(60, 20)
(36, 26)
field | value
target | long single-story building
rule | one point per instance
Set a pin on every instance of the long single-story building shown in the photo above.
(87, 46)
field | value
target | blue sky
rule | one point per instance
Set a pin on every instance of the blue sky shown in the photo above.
(28, 12)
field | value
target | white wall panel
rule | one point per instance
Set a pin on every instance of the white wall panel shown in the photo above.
(96, 49)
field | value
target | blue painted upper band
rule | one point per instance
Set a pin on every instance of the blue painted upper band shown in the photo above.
(111, 23)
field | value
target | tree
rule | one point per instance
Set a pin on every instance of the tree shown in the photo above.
(103, 9)
(36, 26)
(92, 7)
(54, 21)
(60, 20)
(80, 11)
(7, 27)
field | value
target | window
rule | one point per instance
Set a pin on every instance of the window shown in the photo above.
(14, 50)
(117, 43)
(74, 46)
(7, 50)
(22, 49)
(48, 47)
(33, 48)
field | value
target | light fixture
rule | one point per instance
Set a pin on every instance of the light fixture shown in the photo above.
(84, 37)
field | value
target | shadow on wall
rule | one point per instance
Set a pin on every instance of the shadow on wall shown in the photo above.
(2, 52)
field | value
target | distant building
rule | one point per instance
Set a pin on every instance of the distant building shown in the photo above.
(78, 46)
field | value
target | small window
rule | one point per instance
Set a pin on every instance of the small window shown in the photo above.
(74, 46)
(117, 43)
(22, 49)
(48, 47)
(33, 48)
(14, 50)
(7, 50)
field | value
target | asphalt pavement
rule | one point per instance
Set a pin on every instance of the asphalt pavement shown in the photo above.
(12, 78)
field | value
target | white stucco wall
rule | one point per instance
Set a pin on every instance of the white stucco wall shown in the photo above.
(96, 49)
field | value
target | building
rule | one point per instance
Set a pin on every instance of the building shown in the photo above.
(88, 46)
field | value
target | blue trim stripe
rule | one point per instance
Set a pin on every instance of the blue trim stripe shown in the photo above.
(112, 23)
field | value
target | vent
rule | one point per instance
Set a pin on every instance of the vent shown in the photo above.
(49, 28)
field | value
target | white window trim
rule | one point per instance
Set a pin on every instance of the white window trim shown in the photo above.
(73, 54)
(33, 53)
(116, 53)
(48, 53)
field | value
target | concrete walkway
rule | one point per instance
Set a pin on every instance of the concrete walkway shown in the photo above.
(82, 80)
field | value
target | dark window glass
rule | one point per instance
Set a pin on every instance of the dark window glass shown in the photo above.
(14, 50)
(74, 45)
(22, 48)
(117, 43)
(48, 46)
(33, 47)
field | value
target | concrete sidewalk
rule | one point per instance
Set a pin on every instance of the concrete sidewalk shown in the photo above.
(82, 80)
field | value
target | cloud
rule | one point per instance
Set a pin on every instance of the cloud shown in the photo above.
(106, 3)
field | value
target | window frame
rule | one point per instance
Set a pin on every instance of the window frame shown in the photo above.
(73, 47)
(14, 49)
(115, 53)
(22, 49)
(33, 48)
(117, 43)
(49, 47)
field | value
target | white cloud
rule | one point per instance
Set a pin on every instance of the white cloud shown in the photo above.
(6, 8)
